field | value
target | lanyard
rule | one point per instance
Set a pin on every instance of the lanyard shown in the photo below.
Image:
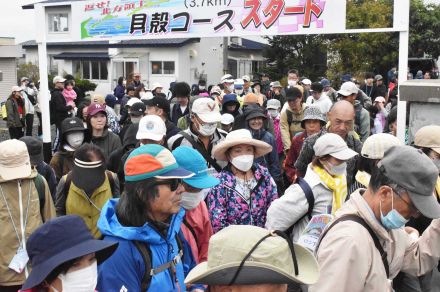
(10, 214)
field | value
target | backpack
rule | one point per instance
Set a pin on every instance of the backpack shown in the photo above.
(144, 250)
(310, 200)
(52, 111)
(68, 181)
(357, 118)
(290, 120)
(41, 189)
(4, 112)
(373, 235)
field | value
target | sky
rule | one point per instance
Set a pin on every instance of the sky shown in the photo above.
(19, 23)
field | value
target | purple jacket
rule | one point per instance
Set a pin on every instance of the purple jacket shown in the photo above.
(227, 207)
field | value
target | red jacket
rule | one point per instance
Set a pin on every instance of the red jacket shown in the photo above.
(200, 231)
(292, 156)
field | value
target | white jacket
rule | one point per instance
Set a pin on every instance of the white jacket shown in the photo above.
(29, 107)
(324, 103)
(288, 209)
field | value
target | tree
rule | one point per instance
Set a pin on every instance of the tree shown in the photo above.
(28, 70)
(424, 29)
(305, 53)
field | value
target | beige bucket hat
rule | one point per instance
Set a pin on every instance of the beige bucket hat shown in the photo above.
(264, 257)
(238, 137)
(14, 160)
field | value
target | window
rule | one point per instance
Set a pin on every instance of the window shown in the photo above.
(58, 22)
(93, 70)
(162, 67)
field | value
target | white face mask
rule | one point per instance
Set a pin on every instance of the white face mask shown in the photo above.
(336, 170)
(202, 87)
(231, 88)
(207, 129)
(83, 280)
(291, 82)
(239, 91)
(273, 113)
(243, 162)
(191, 200)
(75, 139)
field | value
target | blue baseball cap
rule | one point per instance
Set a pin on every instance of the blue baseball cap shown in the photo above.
(193, 161)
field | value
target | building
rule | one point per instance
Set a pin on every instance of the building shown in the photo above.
(159, 60)
(9, 54)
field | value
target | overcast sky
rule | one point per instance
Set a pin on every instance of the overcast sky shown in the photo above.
(19, 23)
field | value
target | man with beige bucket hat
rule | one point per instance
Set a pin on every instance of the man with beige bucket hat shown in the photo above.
(244, 258)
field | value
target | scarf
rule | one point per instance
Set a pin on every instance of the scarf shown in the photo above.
(337, 184)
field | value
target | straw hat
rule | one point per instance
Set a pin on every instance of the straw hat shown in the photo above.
(239, 137)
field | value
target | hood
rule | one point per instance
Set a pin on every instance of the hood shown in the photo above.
(33, 174)
(108, 224)
(230, 98)
(104, 135)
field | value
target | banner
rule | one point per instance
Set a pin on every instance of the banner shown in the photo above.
(142, 19)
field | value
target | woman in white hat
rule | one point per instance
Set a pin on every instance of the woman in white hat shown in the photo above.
(323, 189)
(246, 189)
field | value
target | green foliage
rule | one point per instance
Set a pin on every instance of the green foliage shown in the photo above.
(85, 85)
(356, 53)
(424, 29)
(28, 70)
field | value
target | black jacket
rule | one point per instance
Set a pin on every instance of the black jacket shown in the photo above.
(176, 113)
(61, 109)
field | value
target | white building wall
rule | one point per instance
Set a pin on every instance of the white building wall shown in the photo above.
(8, 66)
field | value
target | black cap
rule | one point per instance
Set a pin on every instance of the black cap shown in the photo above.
(159, 102)
(317, 87)
(35, 149)
(130, 88)
(72, 125)
(293, 93)
(253, 111)
(138, 109)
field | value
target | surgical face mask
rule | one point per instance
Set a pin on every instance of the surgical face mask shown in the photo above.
(191, 200)
(231, 88)
(83, 280)
(336, 170)
(393, 220)
(207, 129)
(75, 139)
(291, 82)
(239, 91)
(273, 113)
(202, 87)
(243, 162)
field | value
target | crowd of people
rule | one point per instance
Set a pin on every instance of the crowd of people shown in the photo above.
(211, 188)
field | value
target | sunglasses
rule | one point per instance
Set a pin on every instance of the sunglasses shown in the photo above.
(172, 183)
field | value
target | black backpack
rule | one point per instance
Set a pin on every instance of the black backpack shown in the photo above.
(41, 189)
(144, 250)
(310, 200)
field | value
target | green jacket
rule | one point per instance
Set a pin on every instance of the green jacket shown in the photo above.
(13, 120)
(76, 202)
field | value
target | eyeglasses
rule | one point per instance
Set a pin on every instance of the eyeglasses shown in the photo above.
(173, 183)
(410, 205)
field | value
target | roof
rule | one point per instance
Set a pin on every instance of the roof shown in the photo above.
(83, 56)
(248, 45)
(31, 6)
(123, 44)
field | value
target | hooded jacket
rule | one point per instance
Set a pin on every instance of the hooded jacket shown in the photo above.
(108, 142)
(125, 268)
(20, 195)
(13, 119)
(288, 131)
(351, 261)
(231, 99)
(62, 163)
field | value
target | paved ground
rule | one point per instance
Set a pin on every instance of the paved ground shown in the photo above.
(4, 134)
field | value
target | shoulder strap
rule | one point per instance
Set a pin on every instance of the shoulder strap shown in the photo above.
(373, 235)
(67, 184)
(111, 180)
(190, 228)
(310, 201)
(289, 117)
(202, 151)
(144, 250)
(41, 189)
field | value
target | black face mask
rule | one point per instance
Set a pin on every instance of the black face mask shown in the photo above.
(88, 179)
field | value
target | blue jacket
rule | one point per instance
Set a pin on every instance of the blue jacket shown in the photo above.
(271, 159)
(119, 92)
(126, 266)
